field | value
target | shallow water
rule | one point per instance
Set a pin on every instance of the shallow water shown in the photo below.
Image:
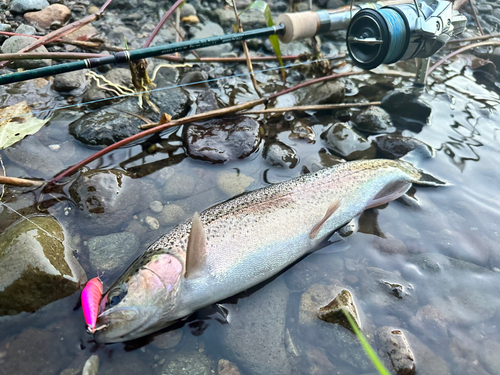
(447, 307)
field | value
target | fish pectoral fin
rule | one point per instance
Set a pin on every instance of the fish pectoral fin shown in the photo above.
(196, 252)
(331, 210)
(393, 190)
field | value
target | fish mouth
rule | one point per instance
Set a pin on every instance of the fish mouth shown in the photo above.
(117, 324)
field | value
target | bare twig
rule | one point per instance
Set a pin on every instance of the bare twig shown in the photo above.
(162, 21)
(22, 182)
(319, 107)
(49, 55)
(460, 50)
(59, 33)
(476, 18)
(482, 37)
(202, 116)
(245, 49)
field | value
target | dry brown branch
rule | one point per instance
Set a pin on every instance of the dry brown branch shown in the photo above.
(476, 18)
(21, 182)
(319, 107)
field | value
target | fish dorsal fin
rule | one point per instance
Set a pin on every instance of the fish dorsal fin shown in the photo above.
(391, 191)
(331, 210)
(196, 252)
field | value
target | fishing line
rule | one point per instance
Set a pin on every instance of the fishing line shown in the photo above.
(175, 86)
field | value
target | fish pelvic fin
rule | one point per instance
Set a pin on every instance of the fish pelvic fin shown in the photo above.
(329, 212)
(196, 252)
(393, 190)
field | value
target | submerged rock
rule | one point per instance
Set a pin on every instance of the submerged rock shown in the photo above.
(335, 311)
(280, 155)
(91, 366)
(168, 339)
(344, 141)
(396, 146)
(302, 130)
(36, 266)
(255, 339)
(220, 139)
(233, 183)
(106, 199)
(188, 363)
(395, 351)
(374, 120)
(112, 251)
(227, 368)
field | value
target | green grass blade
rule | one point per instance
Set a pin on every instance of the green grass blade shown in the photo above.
(262, 7)
(366, 346)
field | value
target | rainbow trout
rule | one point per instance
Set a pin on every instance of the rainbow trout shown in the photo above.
(240, 243)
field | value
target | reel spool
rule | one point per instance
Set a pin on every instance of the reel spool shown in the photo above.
(400, 32)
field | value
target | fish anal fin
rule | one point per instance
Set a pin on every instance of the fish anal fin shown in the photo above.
(331, 210)
(196, 252)
(391, 191)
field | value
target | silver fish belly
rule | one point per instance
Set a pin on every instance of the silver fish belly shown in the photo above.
(240, 243)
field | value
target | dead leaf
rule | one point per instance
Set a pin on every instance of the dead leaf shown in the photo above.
(165, 118)
(192, 20)
(16, 122)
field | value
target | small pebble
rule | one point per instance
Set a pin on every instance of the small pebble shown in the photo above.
(152, 222)
(156, 206)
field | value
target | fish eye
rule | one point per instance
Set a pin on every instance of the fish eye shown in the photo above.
(116, 295)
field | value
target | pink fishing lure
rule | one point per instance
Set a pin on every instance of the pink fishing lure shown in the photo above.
(91, 297)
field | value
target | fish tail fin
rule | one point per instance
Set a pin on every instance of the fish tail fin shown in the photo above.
(420, 177)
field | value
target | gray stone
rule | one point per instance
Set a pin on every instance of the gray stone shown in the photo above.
(321, 93)
(207, 30)
(23, 6)
(255, 339)
(406, 105)
(302, 131)
(396, 146)
(105, 199)
(281, 155)
(188, 10)
(5, 27)
(36, 265)
(395, 351)
(190, 363)
(26, 29)
(91, 366)
(31, 154)
(374, 120)
(112, 251)
(251, 19)
(344, 141)
(69, 81)
(16, 43)
(156, 206)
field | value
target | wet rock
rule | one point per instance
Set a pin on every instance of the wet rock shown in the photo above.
(91, 367)
(319, 363)
(113, 251)
(168, 339)
(227, 368)
(321, 93)
(220, 139)
(45, 18)
(174, 102)
(105, 199)
(16, 43)
(233, 183)
(315, 270)
(431, 323)
(196, 80)
(172, 214)
(488, 357)
(206, 30)
(69, 81)
(460, 291)
(427, 361)
(152, 223)
(179, 186)
(23, 6)
(26, 29)
(31, 154)
(396, 351)
(396, 146)
(156, 206)
(344, 141)
(35, 267)
(406, 105)
(280, 155)
(335, 311)
(301, 130)
(374, 120)
(30, 353)
(255, 339)
(316, 297)
(187, 364)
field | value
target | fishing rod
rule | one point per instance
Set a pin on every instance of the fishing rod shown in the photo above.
(377, 33)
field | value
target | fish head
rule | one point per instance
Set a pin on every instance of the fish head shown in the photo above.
(141, 300)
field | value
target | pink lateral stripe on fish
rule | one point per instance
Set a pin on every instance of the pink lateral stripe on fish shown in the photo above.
(91, 297)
